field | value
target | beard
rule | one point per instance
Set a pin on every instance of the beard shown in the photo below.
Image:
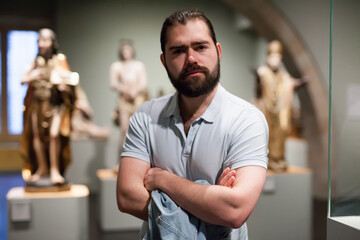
(198, 85)
(47, 53)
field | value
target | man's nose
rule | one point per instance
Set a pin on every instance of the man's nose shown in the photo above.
(191, 56)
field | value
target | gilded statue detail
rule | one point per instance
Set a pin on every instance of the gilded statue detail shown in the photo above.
(275, 92)
(49, 102)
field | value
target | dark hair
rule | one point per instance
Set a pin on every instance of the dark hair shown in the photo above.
(182, 17)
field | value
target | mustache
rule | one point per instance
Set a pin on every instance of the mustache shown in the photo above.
(193, 67)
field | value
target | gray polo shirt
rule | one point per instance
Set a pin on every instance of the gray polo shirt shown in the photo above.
(231, 133)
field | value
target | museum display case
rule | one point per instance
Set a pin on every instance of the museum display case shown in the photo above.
(344, 122)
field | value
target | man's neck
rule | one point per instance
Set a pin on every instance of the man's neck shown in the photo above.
(191, 108)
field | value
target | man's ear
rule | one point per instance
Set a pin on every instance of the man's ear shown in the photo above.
(162, 58)
(218, 46)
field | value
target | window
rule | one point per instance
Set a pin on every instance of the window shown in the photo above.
(20, 48)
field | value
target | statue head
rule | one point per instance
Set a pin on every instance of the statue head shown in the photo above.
(126, 50)
(47, 43)
(274, 55)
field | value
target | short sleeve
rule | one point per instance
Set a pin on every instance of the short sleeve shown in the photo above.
(136, 143)
(248, 140)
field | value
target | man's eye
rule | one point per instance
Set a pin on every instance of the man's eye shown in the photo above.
(177, 51)
(201, 47)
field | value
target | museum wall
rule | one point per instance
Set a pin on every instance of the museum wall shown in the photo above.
(89, 35)
(313, 27)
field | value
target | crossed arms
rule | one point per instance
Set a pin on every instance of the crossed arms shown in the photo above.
(229, 203)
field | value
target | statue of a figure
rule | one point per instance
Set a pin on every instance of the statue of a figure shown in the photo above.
(275, 90)
(128, 78)
(81, 120)
(49, 102)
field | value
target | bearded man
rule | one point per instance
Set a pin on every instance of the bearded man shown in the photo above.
(195, 159)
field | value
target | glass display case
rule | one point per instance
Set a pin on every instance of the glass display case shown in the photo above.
(344, 119)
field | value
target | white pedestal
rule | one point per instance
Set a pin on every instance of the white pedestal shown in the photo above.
(111, 218)
(48, 215)
(296, 152)
(344, 228)
(284, 208)
(88, 156)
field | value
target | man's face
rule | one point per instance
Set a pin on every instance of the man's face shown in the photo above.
(191, 58)
(45, 43)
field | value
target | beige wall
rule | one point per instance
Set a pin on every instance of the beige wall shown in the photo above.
(89, 32)
(89, 35)
(312, 21)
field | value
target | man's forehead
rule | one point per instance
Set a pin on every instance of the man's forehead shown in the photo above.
(195, 30)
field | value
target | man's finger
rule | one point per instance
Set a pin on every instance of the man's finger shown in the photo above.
(230, 182)
(227, 177)
(223, 174)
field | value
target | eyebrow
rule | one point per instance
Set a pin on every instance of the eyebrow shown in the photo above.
(192, 44)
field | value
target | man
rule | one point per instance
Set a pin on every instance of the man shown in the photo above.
(194, 134)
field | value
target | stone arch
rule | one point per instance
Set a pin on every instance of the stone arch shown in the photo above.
(271, 24)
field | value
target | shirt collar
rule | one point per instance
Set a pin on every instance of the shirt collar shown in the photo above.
(172, 108)
(209, 115)
(213, 111)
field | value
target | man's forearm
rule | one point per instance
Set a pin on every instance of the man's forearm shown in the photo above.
(212, 203)
(134, 203)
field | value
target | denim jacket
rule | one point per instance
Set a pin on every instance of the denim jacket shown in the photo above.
(168, 221)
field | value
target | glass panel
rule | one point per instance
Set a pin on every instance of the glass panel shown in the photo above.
(22, 49)
(345, 97)
(0, 83)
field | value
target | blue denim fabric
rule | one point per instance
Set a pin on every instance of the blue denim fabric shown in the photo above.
(168, 221)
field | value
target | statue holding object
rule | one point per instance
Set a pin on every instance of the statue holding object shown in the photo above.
(48, 103)
(274, 97)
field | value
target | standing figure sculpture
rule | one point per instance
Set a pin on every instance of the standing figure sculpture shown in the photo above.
(82, 124)
(48, 105)
(128, 78)
(275, 90)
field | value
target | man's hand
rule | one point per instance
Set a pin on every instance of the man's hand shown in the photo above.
(227, 178)
(152, 178)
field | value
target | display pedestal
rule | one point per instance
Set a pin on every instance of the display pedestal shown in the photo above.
(48, 215)
(345, 228)
(296, 152)
(284, 208)
(111, 219)
(89, 155)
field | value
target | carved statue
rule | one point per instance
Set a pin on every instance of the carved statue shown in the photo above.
(275, 90)
(49, 102)
(81, 120)
(128, 78)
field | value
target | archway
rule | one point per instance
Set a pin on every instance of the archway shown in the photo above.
(271, 24)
